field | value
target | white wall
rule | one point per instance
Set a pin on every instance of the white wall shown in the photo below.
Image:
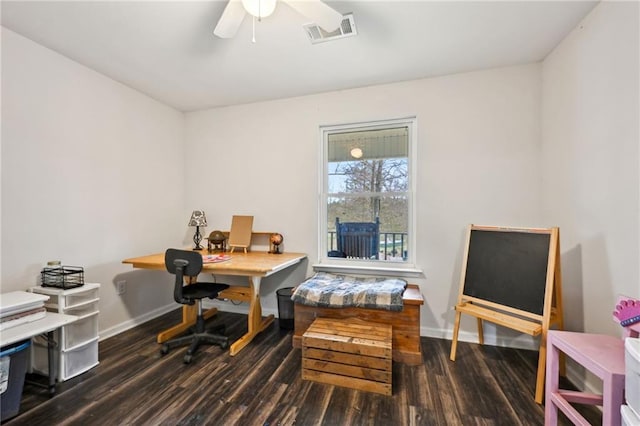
(92, 173)
(478, 162)
(590, 122)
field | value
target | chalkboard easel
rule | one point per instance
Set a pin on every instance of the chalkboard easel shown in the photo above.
(511, 277)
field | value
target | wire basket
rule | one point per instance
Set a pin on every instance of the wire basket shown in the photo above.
(62, 277)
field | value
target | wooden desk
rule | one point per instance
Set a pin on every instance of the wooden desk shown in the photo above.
(254, 265)
(46, 325)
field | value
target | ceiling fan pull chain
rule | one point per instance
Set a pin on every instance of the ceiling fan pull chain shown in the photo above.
(253, 39)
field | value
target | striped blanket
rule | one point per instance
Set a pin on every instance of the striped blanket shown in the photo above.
(338, 291)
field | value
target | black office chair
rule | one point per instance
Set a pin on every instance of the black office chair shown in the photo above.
(186, 263)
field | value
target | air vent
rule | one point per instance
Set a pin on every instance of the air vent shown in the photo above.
(318, 35)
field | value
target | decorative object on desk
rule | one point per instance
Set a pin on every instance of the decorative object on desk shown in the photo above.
(240, 234)
(216, 242)
(198, 219)
(64, 277)
(210, 258)
(275, 240)
(627, 311)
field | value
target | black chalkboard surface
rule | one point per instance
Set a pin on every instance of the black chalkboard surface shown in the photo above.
(508, 268)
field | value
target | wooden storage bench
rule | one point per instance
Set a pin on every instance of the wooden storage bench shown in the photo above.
(405, 324)
(350, 353)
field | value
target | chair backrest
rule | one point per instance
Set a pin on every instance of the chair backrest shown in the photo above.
(182, 263)
(358, 239)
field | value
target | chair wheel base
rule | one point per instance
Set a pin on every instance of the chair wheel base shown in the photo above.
(187, 359)
(164, 350)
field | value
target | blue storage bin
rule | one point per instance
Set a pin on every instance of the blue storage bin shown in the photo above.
(13, 368)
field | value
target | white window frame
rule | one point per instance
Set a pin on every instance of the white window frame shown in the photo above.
(340, 265)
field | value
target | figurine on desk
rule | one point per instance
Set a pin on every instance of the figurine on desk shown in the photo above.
(275, 240)
(216, 242)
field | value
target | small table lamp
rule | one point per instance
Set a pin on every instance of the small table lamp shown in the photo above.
(198, 219)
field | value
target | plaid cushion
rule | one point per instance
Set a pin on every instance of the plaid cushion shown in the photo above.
(338, 291)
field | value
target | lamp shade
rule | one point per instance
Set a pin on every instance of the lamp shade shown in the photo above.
(198, 218)
(259, 8)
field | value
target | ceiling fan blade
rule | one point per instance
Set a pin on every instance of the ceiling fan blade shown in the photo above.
(230, 20)
(326, 17)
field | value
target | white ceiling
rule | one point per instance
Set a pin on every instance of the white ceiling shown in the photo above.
(167, 49)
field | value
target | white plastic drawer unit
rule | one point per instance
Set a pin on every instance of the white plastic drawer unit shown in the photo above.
(76, 343)
(632, 373)
(80, 331)
(63, 300)
(69, 362)
(629, 417)
(82, 309)
(79, 359)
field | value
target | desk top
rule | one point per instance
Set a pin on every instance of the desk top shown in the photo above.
(253, 263)
(50, 322)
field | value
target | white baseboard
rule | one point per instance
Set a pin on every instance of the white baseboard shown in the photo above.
(124, 326)
(519, 342)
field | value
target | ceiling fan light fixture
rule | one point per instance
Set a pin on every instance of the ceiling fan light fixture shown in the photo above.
(259, 8)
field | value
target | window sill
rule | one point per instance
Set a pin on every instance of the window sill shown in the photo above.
(404, 272)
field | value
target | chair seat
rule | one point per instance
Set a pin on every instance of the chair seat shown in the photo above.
(202, 290)
(601, 354)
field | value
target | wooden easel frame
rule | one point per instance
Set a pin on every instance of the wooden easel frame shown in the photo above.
(516, 319)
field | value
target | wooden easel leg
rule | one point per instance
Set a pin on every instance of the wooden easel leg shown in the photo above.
(480, 332)
(454, 342)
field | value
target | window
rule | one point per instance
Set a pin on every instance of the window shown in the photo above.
(366, 195)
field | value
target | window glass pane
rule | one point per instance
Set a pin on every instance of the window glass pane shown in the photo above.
(392, 242)
(367, 184)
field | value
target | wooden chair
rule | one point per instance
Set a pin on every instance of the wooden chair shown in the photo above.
(358, 240)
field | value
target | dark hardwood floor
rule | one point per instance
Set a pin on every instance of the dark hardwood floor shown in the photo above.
(134, 385)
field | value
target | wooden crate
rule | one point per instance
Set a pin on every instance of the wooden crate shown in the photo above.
(405, 323)
(350, 353)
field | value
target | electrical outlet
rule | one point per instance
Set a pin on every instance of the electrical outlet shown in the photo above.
(121, 287)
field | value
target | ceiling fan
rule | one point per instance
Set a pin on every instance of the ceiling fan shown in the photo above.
(316, 10)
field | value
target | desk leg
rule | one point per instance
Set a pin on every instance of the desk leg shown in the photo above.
(255, 322)
(52, 364)
(189, 314)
